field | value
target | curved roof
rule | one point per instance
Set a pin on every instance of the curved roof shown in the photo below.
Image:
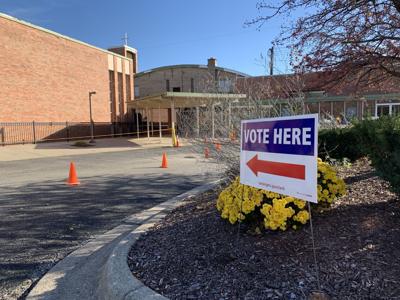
(189, 66)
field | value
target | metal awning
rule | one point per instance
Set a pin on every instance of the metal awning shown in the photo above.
(182, 100)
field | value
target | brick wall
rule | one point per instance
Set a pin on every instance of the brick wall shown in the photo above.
(45, 77)
(202, 80)
(188, 78)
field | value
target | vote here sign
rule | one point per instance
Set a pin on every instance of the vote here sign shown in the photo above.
(280, 155)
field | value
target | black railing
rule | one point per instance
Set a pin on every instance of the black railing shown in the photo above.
(36, 132)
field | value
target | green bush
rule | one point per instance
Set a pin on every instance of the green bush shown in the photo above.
(378, 139)
(381, 140)
(340, 143)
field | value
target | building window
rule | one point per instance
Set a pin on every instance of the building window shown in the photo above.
(192, 85)
(395, 110)
(132, 56)
(387, 109)
(224, 85)
(167, 85)
(137, 92)
(350, 110)
(128, 88)
(112, 94)
(120, 95)
(176, 89)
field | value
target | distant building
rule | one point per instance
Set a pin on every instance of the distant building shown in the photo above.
(46, 76)
(186, 78)
(324, 94)
(321, 93)
(166, 91)
(181, 86)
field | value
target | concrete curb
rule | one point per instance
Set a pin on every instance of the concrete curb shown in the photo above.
(109, 252)
(117, 281)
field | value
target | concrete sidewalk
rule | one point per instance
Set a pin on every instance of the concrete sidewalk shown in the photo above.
(42, 150)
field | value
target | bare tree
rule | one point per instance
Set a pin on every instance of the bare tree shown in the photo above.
(214, 126)
(353, 40)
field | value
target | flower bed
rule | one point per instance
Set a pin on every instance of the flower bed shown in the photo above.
(275, 211)
(195, 254)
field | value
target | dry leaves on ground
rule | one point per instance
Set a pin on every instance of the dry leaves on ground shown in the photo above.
(194, 254)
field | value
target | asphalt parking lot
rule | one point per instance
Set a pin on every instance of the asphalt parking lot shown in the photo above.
(42, 219)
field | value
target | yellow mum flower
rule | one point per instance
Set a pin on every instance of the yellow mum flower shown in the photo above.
(237, 201)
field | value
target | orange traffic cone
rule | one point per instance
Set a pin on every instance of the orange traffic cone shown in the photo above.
(164, 163)
(72, 179)
(177, 141)
(206, 152)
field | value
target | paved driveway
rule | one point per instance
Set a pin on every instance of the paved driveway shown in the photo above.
(42, 219)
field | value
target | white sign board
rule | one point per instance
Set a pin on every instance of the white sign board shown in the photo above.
(280, 155)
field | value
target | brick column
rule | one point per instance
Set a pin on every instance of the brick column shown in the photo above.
(123, 95)
(114, 104)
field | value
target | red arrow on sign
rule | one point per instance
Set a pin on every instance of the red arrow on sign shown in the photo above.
(276, 168)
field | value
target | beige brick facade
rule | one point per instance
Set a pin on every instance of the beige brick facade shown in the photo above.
(185, 78)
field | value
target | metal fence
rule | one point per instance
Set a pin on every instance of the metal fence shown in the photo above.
(36, 132)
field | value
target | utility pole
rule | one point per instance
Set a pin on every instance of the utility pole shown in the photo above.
(271, 60)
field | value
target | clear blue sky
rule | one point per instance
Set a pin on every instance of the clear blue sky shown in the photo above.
(164, 32)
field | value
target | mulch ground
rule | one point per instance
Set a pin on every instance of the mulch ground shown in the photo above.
(194, 254)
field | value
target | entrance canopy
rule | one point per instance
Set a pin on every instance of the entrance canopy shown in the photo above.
(181, 100)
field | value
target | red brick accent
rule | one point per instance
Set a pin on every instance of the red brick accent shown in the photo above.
(45, 77)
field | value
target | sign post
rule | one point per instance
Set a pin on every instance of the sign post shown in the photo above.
(280, 155)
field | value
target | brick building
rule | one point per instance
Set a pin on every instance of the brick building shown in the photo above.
(181, 83)
(324, 94)
(188, 89)
(186, 78)
(46, 76)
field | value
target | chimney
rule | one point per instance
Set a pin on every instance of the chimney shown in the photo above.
(212, 62)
